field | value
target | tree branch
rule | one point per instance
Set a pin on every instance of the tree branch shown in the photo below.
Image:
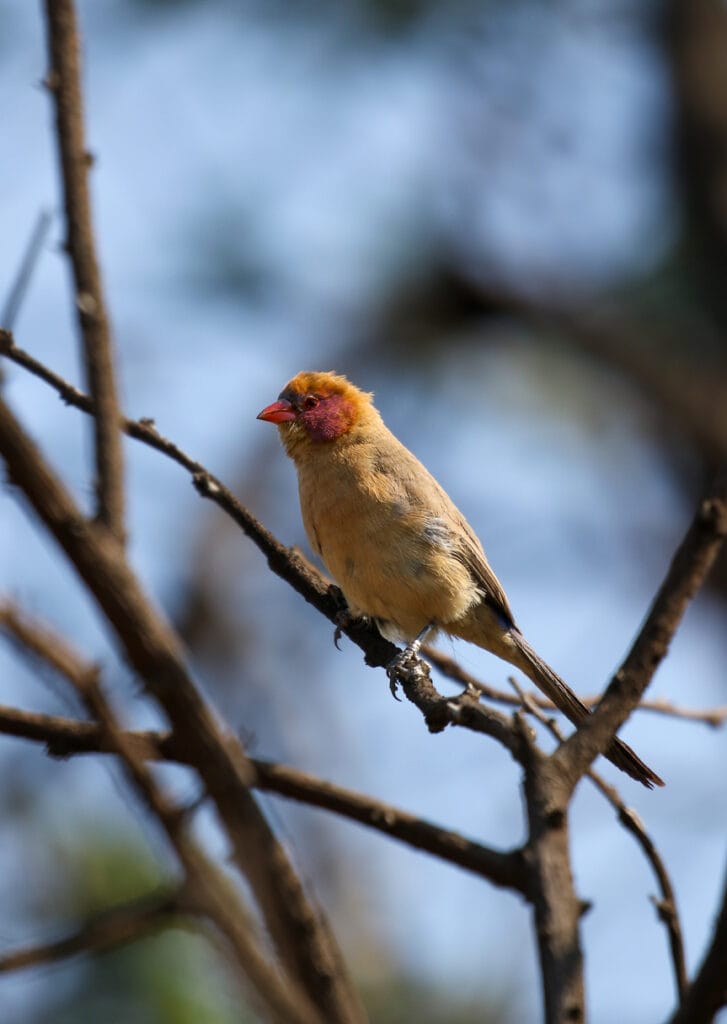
(64, 83)
(556, 907)
(114, 927)
(208, 890)
(302, 937)
(667, 906)
(688, 570)
(20, 285)
(451, 669)
(65, 737)
(708, 991)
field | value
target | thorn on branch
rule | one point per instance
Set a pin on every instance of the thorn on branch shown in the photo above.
(51, 81)
(205, 485)
(713, 513)
(86, 304)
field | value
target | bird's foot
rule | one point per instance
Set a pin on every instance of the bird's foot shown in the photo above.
(343, 615)
(407, 662)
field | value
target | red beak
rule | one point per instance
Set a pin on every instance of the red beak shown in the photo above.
(278, 412)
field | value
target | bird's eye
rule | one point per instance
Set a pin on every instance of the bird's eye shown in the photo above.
(309, 402)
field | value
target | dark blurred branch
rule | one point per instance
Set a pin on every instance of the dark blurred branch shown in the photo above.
(707, 993)
(687, 572)
(31, 636)
(19, 287)
(114, 927)
(556, 907)
(451, 669)
(65, 737)
(666, 906)
(64, 84)
(696, 37)
(299, 929)
(208, 891)
(541, 872)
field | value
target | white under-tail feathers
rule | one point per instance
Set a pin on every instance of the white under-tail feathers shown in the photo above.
(524, 657)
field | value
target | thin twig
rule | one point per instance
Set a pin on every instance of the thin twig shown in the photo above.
(689, 568)
(19, 287)
(115, 927)
(209, 891)
(64, 84)
(451, 669)
(666, 906)
(66, 737)
(707, 993)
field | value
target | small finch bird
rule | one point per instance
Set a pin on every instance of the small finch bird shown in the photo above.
(395, 543)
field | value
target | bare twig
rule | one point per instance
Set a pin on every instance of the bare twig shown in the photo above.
(64, 83)
(688, 570)
(707, 993)
(115, 927)
(451, 669)
(19, 287)
(304, 941)
(33, 637)
(65, 737)
(666, 906)
(209, 892)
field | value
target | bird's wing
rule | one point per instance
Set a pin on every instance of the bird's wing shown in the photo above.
(469, 550)
(450, 527)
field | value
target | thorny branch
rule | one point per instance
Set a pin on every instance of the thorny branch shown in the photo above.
(65, 737)
(686, 574)
(208, 890)
(708, 991)
(64, 84)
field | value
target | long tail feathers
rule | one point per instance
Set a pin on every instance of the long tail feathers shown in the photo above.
(573, 707)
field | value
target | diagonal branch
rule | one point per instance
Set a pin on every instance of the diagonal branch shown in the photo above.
(114, 927)
(208, 890)
(707, 993)
(64, 83)
(299, 929)
(65, 737)
(451, 669)
(20, 285)
(688, 570)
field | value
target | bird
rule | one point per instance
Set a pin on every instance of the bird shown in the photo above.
(399, 549)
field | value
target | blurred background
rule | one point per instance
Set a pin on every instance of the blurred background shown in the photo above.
(509, 220)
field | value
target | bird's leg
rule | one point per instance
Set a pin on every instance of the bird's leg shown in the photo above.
(343, 615)
(409, 657)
